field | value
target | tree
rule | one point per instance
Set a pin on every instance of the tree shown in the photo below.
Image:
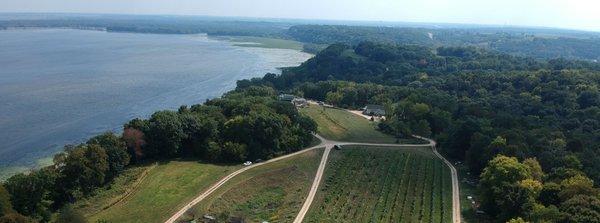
(588, 99)
(84, 169)
(199, 129)
(549, 194)
(517, 220)
(581, 209)
(165, 134)
(535, 168)
(116, 151)
(233, 152)
(543, 214)
(5, 205)
(506, 186)
(134, 139)
(333, 98)
(478, 156)
(69, 215)
(422, 128)
(15, 218)
(30, 194)
(577, 185)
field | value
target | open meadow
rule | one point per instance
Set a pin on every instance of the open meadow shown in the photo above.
(164, 189)
(340, 125)
(273, 192)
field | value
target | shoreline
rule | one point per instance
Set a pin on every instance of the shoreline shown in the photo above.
(30, 162)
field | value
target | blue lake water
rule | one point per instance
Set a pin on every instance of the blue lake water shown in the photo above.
(61, 86)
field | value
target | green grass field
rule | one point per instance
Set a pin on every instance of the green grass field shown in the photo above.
(163, 191)
(273, 192)
(121, 187)
(371, 184)
(340, 125)
(263, 42)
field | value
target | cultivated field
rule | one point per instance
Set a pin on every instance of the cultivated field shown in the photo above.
(372, 184)
(340, 125)
(163, 191)
(273, 192)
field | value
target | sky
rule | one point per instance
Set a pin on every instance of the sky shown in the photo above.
(571, 14)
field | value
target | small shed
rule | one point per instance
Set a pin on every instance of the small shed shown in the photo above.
(374, 110)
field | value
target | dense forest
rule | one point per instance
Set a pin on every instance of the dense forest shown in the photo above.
(530, 129)
(242, 125)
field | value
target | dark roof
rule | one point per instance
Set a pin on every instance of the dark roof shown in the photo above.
(374, 107)
(286, 97)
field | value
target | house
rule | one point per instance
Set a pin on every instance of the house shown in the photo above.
(286, 97)
(374, 110)
(300, 102)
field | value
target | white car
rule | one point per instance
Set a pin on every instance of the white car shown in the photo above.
(247, 163)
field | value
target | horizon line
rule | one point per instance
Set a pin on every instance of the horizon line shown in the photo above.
(373, 21)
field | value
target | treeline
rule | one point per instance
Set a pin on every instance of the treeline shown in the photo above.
(160, 25)
(543, 114)
(525, 42)
(529, 42)
(407, 64)
(552, 47)
(243, 125)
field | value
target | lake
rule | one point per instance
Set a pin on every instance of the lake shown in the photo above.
(61, 86)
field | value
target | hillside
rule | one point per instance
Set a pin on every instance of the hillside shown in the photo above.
(488, 110)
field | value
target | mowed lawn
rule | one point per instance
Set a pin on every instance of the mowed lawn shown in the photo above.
(374, 184)
(341, 125)
(273, 192)
(164, 190)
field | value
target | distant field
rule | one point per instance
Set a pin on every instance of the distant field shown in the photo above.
(371, 184)
(340, 125)
(273, 192)
(250, 41)
(165, 189)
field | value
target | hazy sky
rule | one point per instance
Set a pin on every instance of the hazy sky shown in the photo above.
(575, 14)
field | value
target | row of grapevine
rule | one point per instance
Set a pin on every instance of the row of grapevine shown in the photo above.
(383, 185)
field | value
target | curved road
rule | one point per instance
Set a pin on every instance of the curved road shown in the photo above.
(224, 180)
(328, 144)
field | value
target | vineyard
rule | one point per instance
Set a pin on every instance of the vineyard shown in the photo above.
(371, 184)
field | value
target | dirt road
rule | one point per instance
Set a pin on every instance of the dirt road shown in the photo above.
(455, 188)
(224, 180)
(328, 144)
(319, 175)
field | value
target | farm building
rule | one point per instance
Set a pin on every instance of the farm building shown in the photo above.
(286, 97)
(300, 102)
(374, 110)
